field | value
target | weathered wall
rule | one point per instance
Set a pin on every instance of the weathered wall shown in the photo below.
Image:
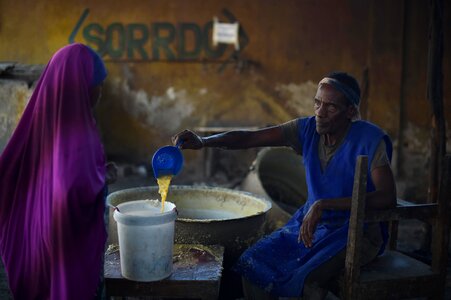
(165, 75)
(11, 111)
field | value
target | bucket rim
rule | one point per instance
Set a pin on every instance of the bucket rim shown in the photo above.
(136, 220)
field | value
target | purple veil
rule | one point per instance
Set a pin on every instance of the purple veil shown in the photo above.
(52, 175)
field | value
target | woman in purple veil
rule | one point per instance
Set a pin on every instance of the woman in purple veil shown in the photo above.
(52, 176)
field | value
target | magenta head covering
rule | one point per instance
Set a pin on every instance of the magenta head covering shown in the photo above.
(52, 175)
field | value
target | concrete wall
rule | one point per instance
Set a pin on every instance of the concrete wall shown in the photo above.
(165, 75)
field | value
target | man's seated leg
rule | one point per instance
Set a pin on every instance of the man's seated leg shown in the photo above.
(319, 281)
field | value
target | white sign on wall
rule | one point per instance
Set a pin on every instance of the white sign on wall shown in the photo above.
(226, 33)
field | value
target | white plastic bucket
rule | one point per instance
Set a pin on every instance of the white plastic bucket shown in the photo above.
(146, 239)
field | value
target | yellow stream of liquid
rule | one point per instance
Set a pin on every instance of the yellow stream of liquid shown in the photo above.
(163, 187)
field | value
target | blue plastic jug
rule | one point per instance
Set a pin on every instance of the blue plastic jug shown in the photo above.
(167, 160)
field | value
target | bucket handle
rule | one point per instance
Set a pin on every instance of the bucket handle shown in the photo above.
(116, 208)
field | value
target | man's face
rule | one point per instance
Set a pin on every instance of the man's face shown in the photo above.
(332, 112)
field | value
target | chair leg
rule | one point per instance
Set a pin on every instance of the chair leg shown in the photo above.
(393, 238)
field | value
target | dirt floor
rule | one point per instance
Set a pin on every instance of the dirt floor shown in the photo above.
(411, 233)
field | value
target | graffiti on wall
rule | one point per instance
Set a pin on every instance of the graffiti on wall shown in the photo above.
(155, 42)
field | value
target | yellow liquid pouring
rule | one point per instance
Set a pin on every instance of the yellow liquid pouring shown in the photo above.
(163, 187)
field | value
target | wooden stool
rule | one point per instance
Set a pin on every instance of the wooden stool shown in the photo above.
(197, 271)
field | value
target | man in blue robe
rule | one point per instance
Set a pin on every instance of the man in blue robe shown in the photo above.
(302, 257)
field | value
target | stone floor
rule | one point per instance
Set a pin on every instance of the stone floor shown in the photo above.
(4, 289)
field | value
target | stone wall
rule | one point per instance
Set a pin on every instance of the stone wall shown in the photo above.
(14, 96)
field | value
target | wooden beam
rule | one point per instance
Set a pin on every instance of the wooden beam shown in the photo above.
(416, 211)
(435, 95)
(440, 238)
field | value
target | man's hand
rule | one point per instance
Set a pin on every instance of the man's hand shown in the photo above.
(309, 224)
(111, 173)
(187, 140)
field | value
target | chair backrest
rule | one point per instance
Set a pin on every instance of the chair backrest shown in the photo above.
(436, 213)
(352, 262)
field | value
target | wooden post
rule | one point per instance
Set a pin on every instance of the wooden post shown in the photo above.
(435, 98)
(435, 95)
(440, 239)
(355, 232)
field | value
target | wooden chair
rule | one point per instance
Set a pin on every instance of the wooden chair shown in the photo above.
(395, 275)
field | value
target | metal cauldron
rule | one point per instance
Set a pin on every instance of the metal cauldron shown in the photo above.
(206, 215)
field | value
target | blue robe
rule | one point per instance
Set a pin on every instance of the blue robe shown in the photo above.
(278, 263)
